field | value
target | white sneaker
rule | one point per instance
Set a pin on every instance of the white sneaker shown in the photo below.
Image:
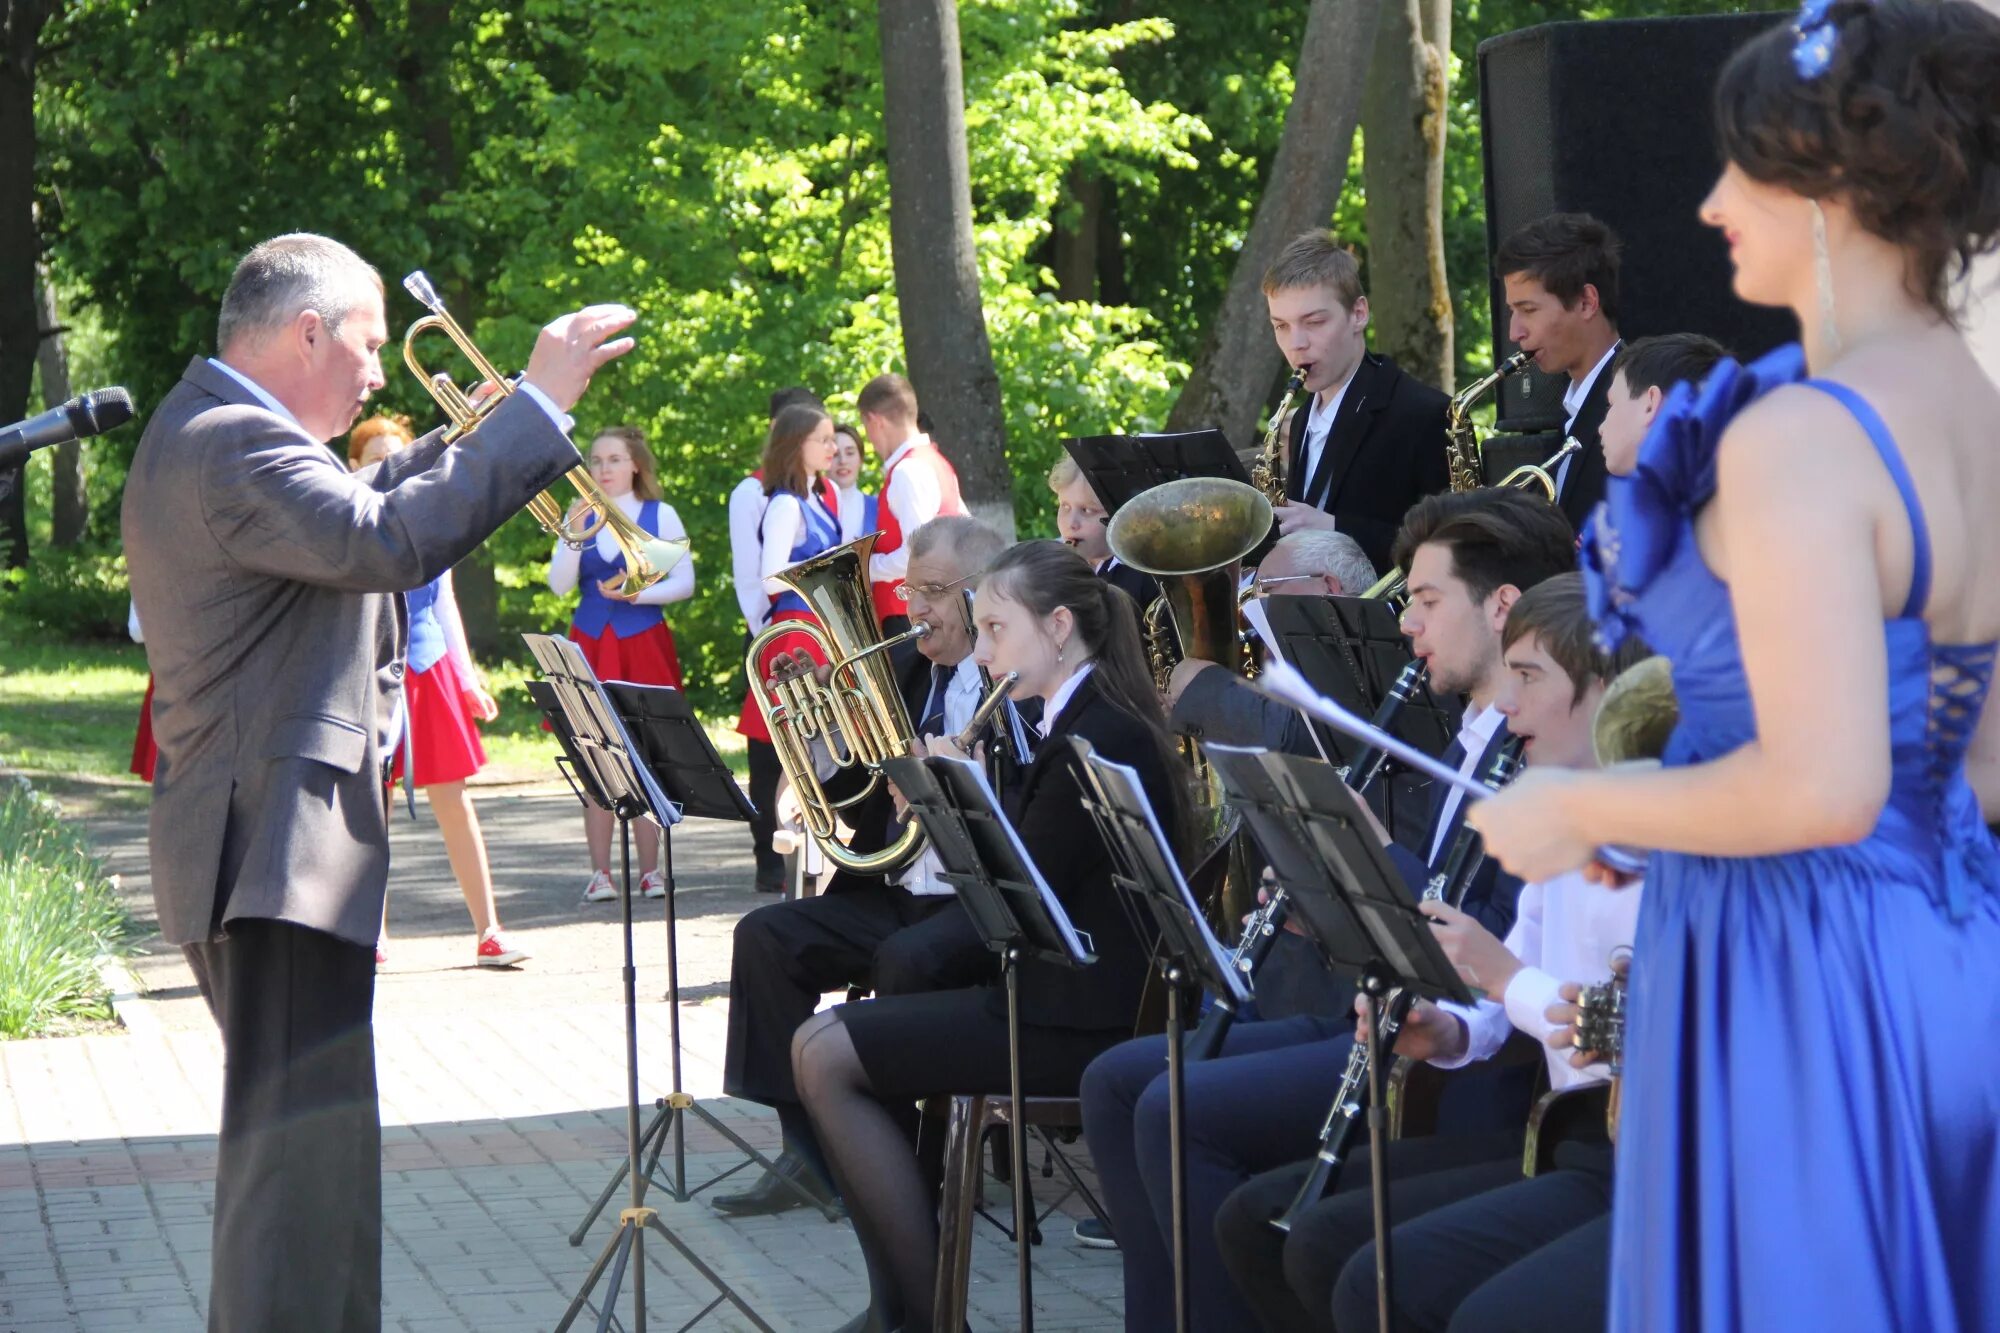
(599, 889)
(652, 884)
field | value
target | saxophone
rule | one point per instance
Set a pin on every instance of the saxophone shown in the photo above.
(1461, 442)
(1268, 474)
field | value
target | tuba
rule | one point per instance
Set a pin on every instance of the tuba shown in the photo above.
(648, 559)
(1192, 536)
(858, 714)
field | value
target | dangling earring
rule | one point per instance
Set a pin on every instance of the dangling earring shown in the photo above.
(1829, 327)
(1061, 648)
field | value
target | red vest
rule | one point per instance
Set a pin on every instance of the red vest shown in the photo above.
(924, 456)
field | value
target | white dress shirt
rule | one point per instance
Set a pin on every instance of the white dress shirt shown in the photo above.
(1319, 426)
(784, 520)
(961, 701)
(1573, 397)
(853, 508)
(1060, 700)
(1475, 733)
(566, 562)
(1565, 929)
(914, 497)
(746, 552)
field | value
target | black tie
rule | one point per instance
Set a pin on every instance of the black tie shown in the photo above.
(933, 723)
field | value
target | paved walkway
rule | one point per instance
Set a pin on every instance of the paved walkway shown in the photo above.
(502, 1108)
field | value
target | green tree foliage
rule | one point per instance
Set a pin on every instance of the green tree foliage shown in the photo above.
(718, 167)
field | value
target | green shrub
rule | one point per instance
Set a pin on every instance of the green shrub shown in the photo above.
(68, 594)
(58, 912)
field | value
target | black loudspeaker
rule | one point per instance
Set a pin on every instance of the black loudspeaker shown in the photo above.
(1612, 118)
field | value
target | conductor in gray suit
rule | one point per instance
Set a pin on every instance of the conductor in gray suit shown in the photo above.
(266, 575)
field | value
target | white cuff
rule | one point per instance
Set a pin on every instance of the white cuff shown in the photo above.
(1528, 998)
(564, 421)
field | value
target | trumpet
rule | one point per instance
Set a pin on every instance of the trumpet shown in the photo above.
(648, 559)
(858, 713)
(1268, 474)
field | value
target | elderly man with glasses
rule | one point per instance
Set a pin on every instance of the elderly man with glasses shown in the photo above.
(896, 934)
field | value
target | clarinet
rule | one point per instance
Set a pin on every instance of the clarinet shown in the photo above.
(1260, 932)
(1449, 884)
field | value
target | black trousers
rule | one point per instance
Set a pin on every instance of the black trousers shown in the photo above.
(1288, 1278)
(1532, 1256)
(789, 954)
(298, 1177)
(764, 774)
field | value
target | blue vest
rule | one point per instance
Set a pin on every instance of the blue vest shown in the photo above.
(821, 532)
(595, 611)
(426, 633)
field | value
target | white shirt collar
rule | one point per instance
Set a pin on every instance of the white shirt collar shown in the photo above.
(1475, 731)
(903, 448)
(1579, 390)
(1319, 418)
(1060, 699)
(257, 390)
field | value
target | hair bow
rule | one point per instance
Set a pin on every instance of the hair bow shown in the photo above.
(1818, 35)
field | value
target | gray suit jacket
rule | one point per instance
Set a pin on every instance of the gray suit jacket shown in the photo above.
(265, 575)
(1218, 705)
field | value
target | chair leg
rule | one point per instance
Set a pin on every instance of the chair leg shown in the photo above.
(961, 1193)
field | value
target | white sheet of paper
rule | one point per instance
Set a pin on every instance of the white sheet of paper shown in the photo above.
(1282, 681)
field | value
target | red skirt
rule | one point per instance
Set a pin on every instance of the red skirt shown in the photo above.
(647, 658)
(145, 753)
(442, 729)
(750, 722)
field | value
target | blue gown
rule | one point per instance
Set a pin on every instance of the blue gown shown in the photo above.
(1810, 1135)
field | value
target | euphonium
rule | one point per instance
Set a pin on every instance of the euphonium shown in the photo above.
(648, 559)
(1268, 474)
(1192, 536)
(858, 714)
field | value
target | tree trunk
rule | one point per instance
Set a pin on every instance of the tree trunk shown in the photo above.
(930, 232)
(70, 510)
(1403, 169)
(1239, 362)
(20, 247)
(1076, 244)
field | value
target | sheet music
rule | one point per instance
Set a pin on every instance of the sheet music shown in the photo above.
(1282, 681)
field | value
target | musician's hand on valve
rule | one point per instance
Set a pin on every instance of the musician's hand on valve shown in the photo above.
(571, 348)
(1428, 1032)
(1474, 950)
(1563, 1014)
(934, 746)
(1527, 826)
(1301, 518)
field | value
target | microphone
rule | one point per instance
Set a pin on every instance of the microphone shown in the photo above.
(88, 414)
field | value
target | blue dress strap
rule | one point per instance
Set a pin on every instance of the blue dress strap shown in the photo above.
(1892, 458)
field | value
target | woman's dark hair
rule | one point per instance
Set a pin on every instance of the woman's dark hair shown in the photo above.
(1903, 125)
(784, 462)
(1043, 575)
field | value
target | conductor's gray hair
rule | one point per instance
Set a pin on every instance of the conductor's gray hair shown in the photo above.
(1334, 553)
(289, 274)
(974, 546)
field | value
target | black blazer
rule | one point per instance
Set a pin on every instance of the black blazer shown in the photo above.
(1386, 451)
(1062, 840)
(1493, 895)
(1142, 588)
(1584, 486)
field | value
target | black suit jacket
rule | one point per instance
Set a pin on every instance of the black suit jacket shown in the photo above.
(1384, 453)
(1142, 588)
(1492, 895)
(1062, 840)
(1584, 486)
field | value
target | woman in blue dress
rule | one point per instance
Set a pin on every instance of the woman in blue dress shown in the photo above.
(1810, 1136)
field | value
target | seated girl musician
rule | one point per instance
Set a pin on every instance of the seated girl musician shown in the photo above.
(623, 635)
(861, 1066)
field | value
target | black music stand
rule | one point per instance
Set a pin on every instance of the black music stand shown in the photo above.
(1121, 466)
(1015, 911)
(1145, 868)
(611, 771)
(1352, 903)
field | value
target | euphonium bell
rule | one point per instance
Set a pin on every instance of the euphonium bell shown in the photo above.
(648, 559)
(858, 714)
(1192, 535)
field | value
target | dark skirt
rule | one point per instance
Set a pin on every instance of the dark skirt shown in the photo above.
(955, 1041)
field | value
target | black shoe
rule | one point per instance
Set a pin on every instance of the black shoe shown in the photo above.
(1094, 1235)
(772, 1195)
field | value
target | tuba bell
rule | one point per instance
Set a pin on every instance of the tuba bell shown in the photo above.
(1192, 536)
(648, 559)
(857, 714)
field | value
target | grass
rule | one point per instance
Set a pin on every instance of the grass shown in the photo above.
(69, 709)
(58, 912)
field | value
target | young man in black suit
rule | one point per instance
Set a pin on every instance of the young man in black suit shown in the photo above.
(1561, 277)
(1369, 442)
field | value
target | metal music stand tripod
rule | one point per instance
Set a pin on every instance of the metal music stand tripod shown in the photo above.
(1015, 911)
(1352, 903)
(1144, 867)
(607, 765)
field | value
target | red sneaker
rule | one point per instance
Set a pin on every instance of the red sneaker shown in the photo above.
(495, 951)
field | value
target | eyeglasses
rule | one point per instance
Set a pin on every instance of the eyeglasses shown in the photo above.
(930, 592)
(1262, 587)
